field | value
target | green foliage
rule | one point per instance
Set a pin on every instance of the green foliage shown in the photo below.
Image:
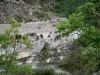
(20, 70)
(87, 22)
(61, 74)
(8, 43)
(67, 7)
(43, 71)
(45, 51)
(27, 70)
(74, 22)
(72, 61)
(84, 23)
(92, 55)
(46, 71)
(62, 25)
(91, 16)
(14, 24)
(27, 42)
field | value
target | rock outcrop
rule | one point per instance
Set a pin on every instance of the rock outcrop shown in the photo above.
(23, 11)
(39, 33)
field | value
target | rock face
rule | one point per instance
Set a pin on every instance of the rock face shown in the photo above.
(38, 33)
(23, 11)
(35, 30)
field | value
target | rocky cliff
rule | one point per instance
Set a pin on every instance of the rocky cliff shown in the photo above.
(25, 10)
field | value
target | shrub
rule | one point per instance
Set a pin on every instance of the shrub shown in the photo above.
(8, 41)
(45, 50)
(61, 73)
(46, 71)
(43, 71)
(20, 70)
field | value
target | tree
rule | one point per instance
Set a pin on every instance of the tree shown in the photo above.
(67, 7)
(86, 22)
(9, 40)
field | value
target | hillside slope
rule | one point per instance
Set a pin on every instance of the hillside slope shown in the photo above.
(25, 10)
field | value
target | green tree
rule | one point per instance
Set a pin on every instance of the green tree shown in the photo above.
(67, 7)
(87, 22)
(9, 40)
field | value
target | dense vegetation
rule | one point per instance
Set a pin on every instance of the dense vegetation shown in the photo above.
(66, 7)
(27, 70)
(84, 59)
